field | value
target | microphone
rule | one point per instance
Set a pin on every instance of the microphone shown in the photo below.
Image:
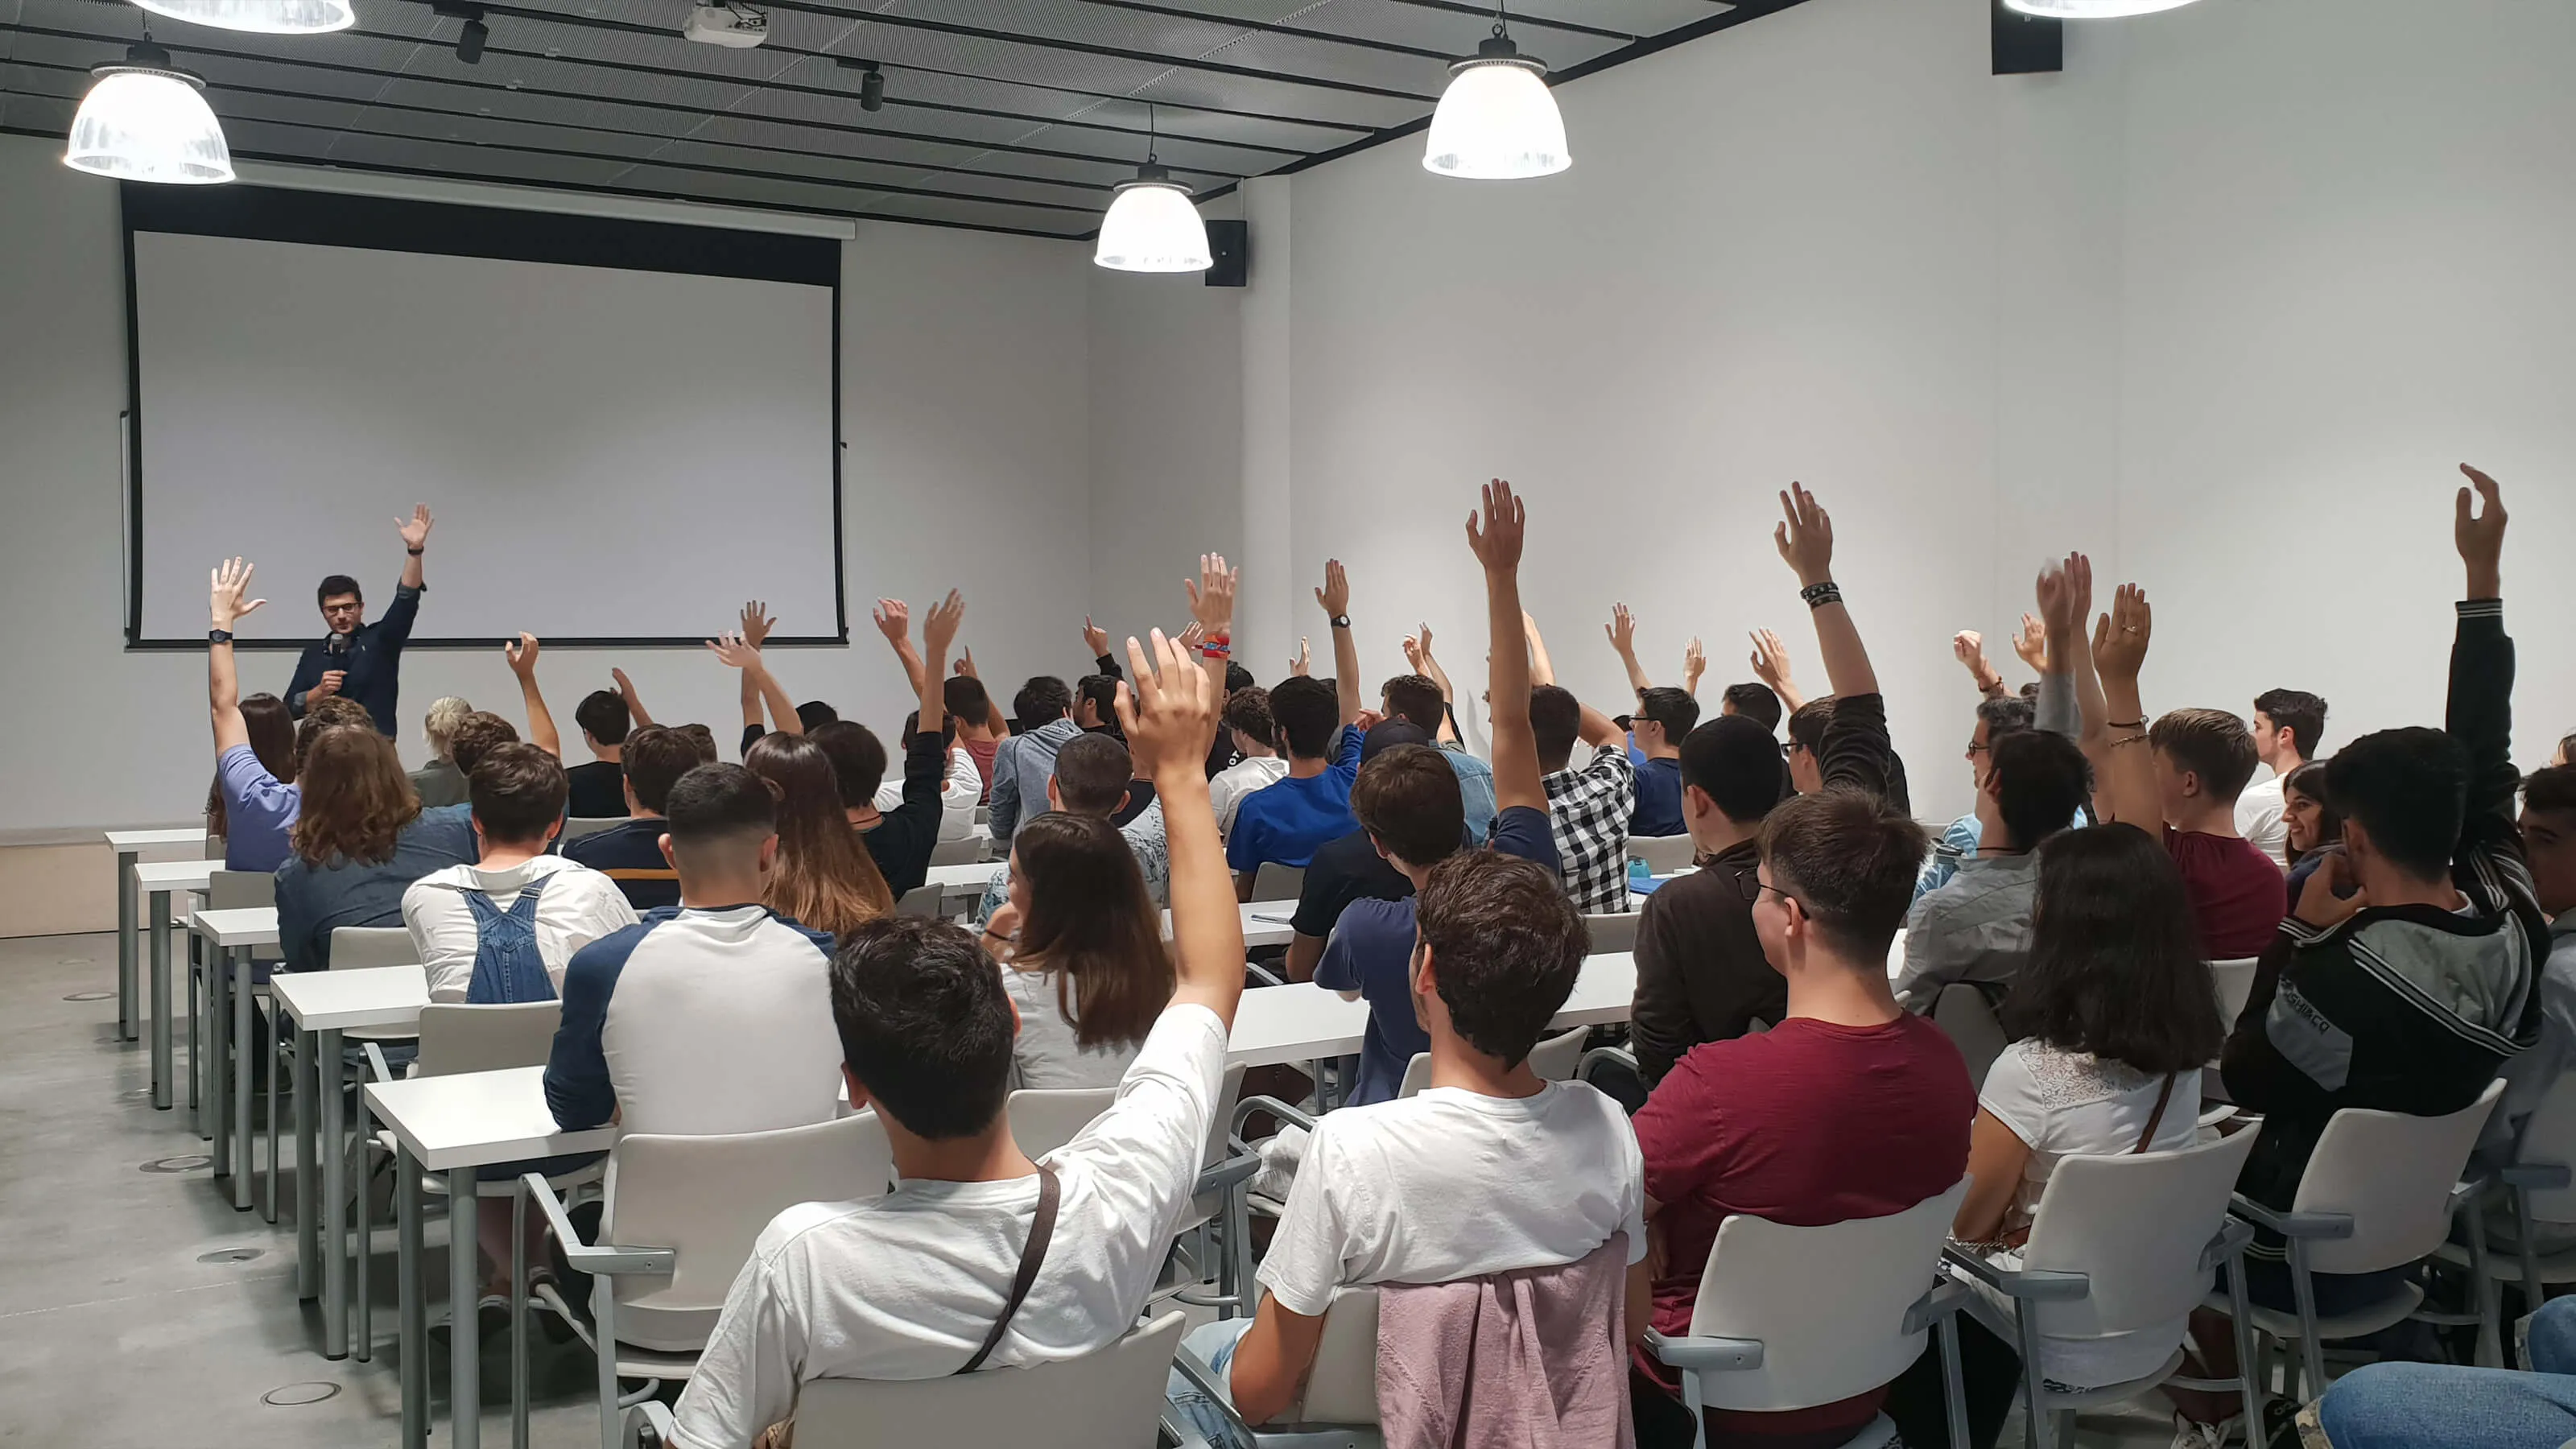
(337, 646)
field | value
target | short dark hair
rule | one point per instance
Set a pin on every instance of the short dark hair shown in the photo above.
(1849, 863)
(1671, 708)
(719, 805)
(330, 712)
(1387, 734)
(2301, 713)
(1808, 722)
(1735, 761)
(2001, 717)
(925, 1025)
(603, 714)
(1755, 702)
(964, 697)
(1556, 721)
(1091, 774)
(477, 735)
(1043, 699)
(1102, 692)
(702, 737)
(858, 760)
(813, 714)
(1237, 677)
(1415, 697)
(2409, 789)
(2210, 743)
(1407, 799)
(1506, 946)
(517, 792)
(334, 585)
(654, 760)
(1308, 712)
(2040, 781)
(1248, 710)
(2115, 966)
(912, 726)
(2551, 790)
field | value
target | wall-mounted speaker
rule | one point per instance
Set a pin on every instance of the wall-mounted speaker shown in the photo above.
(2027, 44)
(1230, 243)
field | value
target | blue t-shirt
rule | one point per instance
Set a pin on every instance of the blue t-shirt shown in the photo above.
(1286, 821)
(258, 811)
(1658, 810)
(1371, 952)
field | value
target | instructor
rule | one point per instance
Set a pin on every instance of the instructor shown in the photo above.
(357, 659)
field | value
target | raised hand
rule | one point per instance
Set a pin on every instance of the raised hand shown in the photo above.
(2032, 643)
(894, 620)
(625, 686)
(2120, 638)
(939, 626)
(415, 529)
(2065, 596)
(966, 664)
(1335, 595)
(1303, 665)
(1770, 659)
(1212, 594)
(1193, 636)
(1694, 664)
(1095, 639)
(734, 651)
(1805, 536)
(1170, 716)
(1497, 543)
(229, 581)
(1969, 647)
(1622, 630)
(2480, 536)
(1424, 641)
(756, 623)
(522, 656)
(1412, 654)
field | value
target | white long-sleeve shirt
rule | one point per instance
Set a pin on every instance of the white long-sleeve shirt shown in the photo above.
(959, 794)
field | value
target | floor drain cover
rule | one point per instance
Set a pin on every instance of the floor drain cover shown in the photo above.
(71, 960)
(189, 1163)
(137, 1095)
(231, 1255)
(89, 996)
(287, 1396)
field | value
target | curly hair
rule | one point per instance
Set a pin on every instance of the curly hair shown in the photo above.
(357, 800)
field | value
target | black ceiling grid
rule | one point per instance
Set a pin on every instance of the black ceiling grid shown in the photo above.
(1001, 115)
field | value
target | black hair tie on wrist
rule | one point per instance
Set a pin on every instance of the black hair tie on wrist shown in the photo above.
(1820, 594)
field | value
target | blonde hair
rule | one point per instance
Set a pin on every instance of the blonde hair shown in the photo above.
(439, 725)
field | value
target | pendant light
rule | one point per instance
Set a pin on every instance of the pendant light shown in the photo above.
(147, 120)
(268, 17)
(2092, 9)
(1497, 121)
(1152, 226)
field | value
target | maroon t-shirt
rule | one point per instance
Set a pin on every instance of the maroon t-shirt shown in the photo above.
(1806, 1125)
(2234, 890)
(982, 751)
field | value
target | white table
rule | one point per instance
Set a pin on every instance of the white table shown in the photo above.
(156, 882)
(129, 846)
(323, 1004)
(1303, 1022)
(455, 1124)
(1265, 923)
(966, 880)
(232, 935)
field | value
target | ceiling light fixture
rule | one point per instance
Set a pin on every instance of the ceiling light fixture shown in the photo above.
(2092, 9)
(871, 81)
(1152, 226)
(1497, 120)
(267, 17)
(470, 37)
(147, 120)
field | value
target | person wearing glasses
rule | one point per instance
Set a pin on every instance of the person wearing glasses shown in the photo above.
(358, 660)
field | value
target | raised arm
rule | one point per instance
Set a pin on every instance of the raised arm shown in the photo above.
(1418, 655)
(1170, 718)
(1212, 609)
(2064, 592)
(541, 723)
(1805, 538)
(894, 620)
(1542, 670)
(1969, 647)
(2119, 650)
(1694, 664)
(415, 537)
(756, 624)
(995, 719)
(735, 652)
(938, 631)
(1335, 597)
(1096, 639)
(1771, 666)
(223, 686)
(2480, 712)
(634, 701)
(1496, 538)
(1622, 630)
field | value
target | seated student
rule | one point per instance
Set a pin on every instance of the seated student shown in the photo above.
(1095, 704)
(1589, 807)
(359, 842)
(2114, 1019)
(253, 801)
(1754, 701)
(961, 790)
(1655, 733)
(503, 928)
(901, 836)
(1417, 699)
(1701, 974)
(1091, 777)
(2549, 845)
(714, 1016)
(763, 701)
(2390, 1405)
(599, 787)
(1024, 762)
(1348, 869)
(653, 759)
(1227, 752)
(824, 880)
(918, 1283)
(439, 782)
(2314, 829)
(477, 735)
(1285, 822)
(1082, 953)
(979, 726)
(2288, 724)
(1996, 718)
(1256, 740)
(1977, 928)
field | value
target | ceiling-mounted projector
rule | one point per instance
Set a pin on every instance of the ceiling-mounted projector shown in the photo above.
(739, 26)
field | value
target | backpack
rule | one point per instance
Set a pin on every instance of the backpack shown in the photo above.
(506, 965)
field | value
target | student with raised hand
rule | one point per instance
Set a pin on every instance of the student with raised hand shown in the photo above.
(1318, 726)
(1256, 741)
(918, 1283)
(763, 701)
(2288, 724)
(1588, 808)
(1754, 701)
(541, 721)
(1421, 701)
(1851, 750)
(901, 840)
(976, 725)
(254, 800)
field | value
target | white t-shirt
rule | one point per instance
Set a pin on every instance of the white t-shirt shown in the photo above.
(2071, 1104)
(959, 793)
(1450, 1185)
(2262, 817)
(577, 907)
(1252, 772)
(906, 1286)
(1046, 1054)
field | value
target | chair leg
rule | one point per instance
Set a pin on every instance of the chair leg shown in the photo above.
(2062, 1426)
(2312, 1356)
(2034, 1433)
(2490, 1350)
(2250, 1372)
(1954, 1395)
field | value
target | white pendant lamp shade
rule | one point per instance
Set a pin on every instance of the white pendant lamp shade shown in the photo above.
(269, 17)
(1497, 120)
(146, 120)
(1152, 227)
(2092, 9)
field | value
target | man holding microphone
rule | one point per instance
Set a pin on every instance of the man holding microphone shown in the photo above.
(358, 659)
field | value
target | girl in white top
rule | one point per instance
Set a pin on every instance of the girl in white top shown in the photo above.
(1081, 950)
(2115, 1018)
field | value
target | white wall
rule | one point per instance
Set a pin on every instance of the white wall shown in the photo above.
(1166, 446)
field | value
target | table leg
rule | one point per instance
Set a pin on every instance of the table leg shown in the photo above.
(238, 968)
(335, 1197)
(518, 1316)
(362, 1346)
(219, 1018)
(196, 1038)
(160, 1000)
(412, 1315)
(125, 945)
(464, 1298)
(268, 1040)
(308, 1254)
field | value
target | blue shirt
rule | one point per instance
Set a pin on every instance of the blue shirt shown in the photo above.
(312, 901)
(1371, 952)
(372, 664)
(1286, 821)
(258, 811)
(1475, 791)
(1658, 810)
(635, 844)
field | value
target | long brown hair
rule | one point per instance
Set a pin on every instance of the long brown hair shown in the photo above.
(2115, 966)
(825, 878)
(1091, 926)
(356, 799)
(272, 740)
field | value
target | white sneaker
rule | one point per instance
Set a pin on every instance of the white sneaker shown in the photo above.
(2188, 1435)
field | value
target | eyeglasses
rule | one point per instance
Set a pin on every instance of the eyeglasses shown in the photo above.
(1749, 886)
(1975, 749)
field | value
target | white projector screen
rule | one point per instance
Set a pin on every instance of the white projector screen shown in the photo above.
(612, 454)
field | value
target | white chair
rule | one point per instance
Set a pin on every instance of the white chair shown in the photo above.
(1614, 932)
(1792, 1318)
(1961, 1012)
(2234, 982)
(1043, 1120)
(679, 1224)
(1336, 1408)
(357, 948)
(1555, 1060)
(922, 900)
(2119, 1244)
(984, 815)
(1663, 854)
(965, 851)
(1276, 882)
(577, 826)
(2541, 1186)
(1111, 1397)
(2379, 1192)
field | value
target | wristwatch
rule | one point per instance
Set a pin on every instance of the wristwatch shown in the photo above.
(219, 636)
(1341, 621)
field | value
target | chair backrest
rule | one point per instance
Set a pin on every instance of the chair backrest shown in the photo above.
(1044, 1120)
(1342, 1386)
(456, 1038)
(1663, 854)
(1616, 932)
(577, 826)
(1961, 1011)
(921, 900)
(355, 948)
(2393, 1173)
(2234, 982)
(958, 852)
(708, 1198)
(983, 814)
(1827, 1303)
(2549, 1135)
(1110, 1397)
(1276, 882)
(2136, 1224)
(236, 890)
(1555, 1060)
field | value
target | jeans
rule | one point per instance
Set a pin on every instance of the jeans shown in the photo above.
(2404, 1405)
(1212, 1344)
